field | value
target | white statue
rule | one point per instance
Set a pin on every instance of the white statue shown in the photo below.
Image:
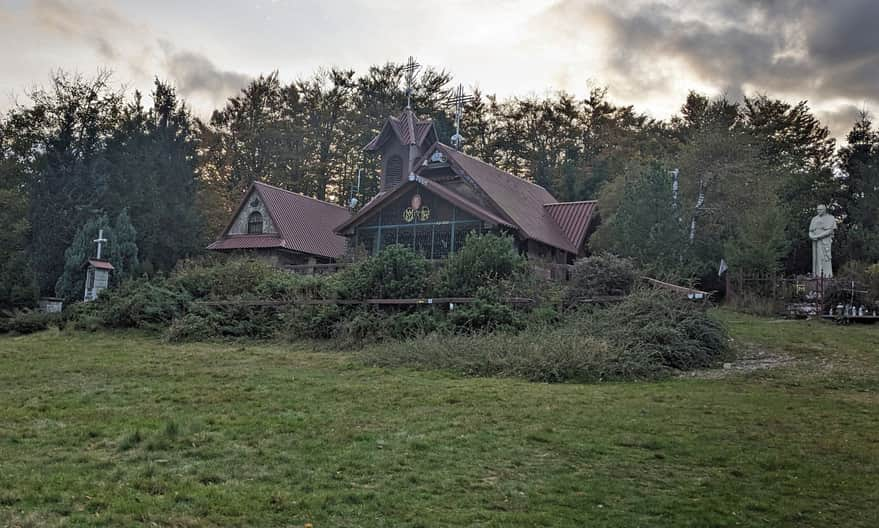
(821, 230)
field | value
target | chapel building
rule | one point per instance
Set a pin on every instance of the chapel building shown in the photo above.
(433, 195)
(284, 227)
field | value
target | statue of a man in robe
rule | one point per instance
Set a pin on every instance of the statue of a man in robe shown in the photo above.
(821, 230)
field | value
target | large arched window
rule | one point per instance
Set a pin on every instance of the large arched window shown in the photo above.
(254, 223)
(393, 172)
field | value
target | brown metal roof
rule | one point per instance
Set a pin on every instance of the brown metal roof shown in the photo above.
(408, 128)
(573, 218)
(520, 200)
(519, 203)
(463, 203)
(304, 224)
(248, 242)
(370, 205)
(101, 264)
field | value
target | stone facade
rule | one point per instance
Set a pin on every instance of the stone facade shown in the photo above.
(239, 226)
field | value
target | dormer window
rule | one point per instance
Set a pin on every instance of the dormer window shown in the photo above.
(254, 223)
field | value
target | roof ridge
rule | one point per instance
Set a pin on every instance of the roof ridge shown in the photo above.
(474, 158)
(257, 182)
(410, 112)
(571, 203)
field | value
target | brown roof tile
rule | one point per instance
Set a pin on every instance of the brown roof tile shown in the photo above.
(573, 218)
(304, 224)
(527, 206)
(521, 200)
(247, 242)
(408, 128)
(101, 264)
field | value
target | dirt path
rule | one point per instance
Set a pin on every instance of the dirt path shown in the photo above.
(748, 360)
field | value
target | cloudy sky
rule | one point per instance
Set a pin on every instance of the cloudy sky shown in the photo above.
(649, 53)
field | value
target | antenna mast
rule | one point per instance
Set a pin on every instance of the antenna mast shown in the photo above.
(410, 69)
(459, 99)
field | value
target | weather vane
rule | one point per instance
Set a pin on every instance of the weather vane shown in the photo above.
(459, 99)
(410, 69)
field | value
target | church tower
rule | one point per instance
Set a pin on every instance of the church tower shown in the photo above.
(401, 141)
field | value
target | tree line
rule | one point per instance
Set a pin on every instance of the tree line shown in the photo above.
(721, 179)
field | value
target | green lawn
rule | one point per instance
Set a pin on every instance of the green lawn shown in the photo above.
(122, 429)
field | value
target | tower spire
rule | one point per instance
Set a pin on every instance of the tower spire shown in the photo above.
(410, 69)
(459, 99)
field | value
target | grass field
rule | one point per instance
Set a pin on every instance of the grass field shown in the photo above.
(121, 429)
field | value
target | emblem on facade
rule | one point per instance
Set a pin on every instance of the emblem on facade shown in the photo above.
(422, 214)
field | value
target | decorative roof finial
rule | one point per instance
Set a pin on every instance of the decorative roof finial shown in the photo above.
(459, 99)
(410, 69)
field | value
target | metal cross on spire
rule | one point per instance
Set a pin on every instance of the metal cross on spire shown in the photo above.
(100, 240)
(410, 69)
(459, 99)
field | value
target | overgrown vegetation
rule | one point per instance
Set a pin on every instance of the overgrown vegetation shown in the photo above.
(601, 276)
(27, 321)
(551, 338)
(649, 334)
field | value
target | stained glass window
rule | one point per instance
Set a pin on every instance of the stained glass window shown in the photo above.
(435, 229)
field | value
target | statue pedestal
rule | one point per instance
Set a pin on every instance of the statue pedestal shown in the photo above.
(814, 287)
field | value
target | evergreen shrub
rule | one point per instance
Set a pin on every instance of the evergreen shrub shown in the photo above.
(312, 321)
(28, 321)
(228, 278)
(397, 272)
(205, 323)
(138, 303)
(659, 329)
(601, 275)
(372, 325)
(872, 277)
(486, 314)
(483, 260)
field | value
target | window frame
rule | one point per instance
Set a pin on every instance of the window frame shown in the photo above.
(251, 222)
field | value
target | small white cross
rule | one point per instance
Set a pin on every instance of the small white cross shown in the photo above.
(100, 240)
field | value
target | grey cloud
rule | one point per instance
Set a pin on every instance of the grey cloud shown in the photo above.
(98, 26)
(804, 48)
(195, 74)
(841, 120)
(101, 27)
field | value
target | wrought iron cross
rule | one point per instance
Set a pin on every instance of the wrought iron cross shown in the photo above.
(100, 240)
(459, 99)
(410, 69)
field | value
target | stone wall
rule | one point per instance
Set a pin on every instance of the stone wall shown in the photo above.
(239, 226)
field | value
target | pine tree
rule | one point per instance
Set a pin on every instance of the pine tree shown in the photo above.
(859, 160)
(68, 126)
(71, 284)
(123, 248)
(18, 287)
(647, 226)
